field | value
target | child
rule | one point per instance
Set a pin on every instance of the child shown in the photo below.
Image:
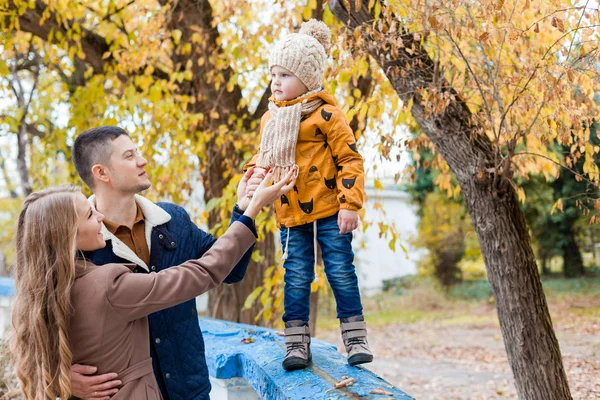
(303, 129)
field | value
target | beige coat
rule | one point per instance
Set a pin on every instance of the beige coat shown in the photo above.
(109, 328)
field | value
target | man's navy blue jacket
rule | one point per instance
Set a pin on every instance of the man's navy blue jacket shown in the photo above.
(176, 343)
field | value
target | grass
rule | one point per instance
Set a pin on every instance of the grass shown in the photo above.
(414, 300)
(421, 303)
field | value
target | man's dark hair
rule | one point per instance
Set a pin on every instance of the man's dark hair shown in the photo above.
(94, 147)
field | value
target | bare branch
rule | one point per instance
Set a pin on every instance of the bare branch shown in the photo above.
(263, 103)
(487, 108)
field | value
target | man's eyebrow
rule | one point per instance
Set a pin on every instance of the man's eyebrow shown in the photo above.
(129, 151)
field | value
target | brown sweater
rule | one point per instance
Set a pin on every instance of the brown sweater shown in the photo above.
(109, 328)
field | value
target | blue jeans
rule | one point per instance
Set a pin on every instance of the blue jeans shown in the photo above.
(299, 267)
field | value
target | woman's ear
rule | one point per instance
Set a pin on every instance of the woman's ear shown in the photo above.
(99, 173)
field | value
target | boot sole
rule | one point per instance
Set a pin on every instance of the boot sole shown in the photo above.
(360, 359)
(292, 364)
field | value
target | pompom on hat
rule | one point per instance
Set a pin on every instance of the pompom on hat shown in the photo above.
(304, 53)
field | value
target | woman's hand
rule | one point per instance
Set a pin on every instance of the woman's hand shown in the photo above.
(244, 187)
(265, 194)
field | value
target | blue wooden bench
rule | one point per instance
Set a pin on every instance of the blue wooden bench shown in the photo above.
(230, 354)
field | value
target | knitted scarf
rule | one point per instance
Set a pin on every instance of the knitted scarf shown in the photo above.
(280, 135)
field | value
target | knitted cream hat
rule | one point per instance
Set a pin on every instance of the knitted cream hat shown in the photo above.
(304, 53)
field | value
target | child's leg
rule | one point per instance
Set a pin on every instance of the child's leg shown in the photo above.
(339, 268)
(298, 272)
(299, 265)
(338, 258)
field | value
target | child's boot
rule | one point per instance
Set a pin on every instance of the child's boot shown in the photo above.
(297, 342)
(354, 334)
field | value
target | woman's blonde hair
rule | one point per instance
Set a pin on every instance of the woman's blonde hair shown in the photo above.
(44, 275)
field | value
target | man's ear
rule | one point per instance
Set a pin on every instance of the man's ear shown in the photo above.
(99, 173)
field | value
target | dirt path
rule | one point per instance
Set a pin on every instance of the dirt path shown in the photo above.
(447, 360)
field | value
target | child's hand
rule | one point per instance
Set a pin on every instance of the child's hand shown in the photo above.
(255, 180)
(347, 221)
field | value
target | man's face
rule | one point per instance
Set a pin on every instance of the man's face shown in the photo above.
(126, 169)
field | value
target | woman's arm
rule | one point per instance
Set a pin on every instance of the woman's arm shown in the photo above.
(137, 295)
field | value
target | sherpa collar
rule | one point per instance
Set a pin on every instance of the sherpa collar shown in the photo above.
(153, 216)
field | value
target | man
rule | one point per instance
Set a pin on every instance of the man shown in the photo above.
(154, 237)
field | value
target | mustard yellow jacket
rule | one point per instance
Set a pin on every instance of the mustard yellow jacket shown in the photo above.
(331, 169)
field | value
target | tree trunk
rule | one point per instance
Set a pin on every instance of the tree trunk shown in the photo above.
(545, 269)
(595, 251)
(226, 301)
(22, 160)
(3, 271)
(529, 339)
(9, 185)
(572, 260)
(593, 242)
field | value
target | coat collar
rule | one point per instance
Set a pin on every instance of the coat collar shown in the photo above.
(84, 267)
(322, 94)
(153, 216)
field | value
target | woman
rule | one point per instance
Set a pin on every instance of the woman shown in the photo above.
(68, 310)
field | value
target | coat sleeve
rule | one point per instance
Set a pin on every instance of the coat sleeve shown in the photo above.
(205, 240)
(351, 174)
(239, 271)
(134, 296)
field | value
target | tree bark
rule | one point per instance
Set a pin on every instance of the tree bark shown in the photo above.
(529, 339)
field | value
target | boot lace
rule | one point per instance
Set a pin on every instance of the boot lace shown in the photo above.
(296, 346)
(356, 341)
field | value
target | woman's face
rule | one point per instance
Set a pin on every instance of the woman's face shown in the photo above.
(89, 235)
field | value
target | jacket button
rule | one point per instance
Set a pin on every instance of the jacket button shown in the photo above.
(167, 375)
(157, 340)
(172, 243)
(153, 268)
(161, 236)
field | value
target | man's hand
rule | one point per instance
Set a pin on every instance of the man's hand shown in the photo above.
(87, 386)
(347, 221)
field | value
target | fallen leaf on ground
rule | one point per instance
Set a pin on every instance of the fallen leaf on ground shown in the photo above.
(380, 391)
(344, 382)
(248, 340)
